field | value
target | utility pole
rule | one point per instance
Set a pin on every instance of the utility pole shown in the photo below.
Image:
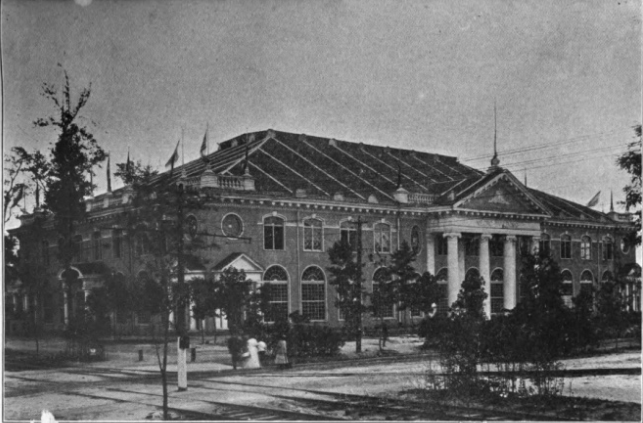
(358, 340)
(183, 342)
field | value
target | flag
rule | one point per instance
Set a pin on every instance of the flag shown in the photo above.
(109, 176)
(174, 157)
(204, 146)
(594, 200)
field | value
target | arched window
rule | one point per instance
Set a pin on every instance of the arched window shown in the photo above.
(586, 248)
(384, 309)
(586, 281)
(313, 294)
(277, 277)
(472, 272)
(607, 276)
(544, 245)
(96, 247)
(625, 245)
(442, 278)
(313, 235)
(382, 237)
(273, 233)
(416, 243)
(348, 233)
(565, 247)
(191, 226)
(568, 287)
(497, 294)
(608, 249)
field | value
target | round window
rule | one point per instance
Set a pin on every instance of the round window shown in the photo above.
(625, 246)
(232, 226)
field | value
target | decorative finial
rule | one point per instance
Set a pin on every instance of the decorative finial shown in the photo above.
(611, 201)
(494, 160)
(246, 168)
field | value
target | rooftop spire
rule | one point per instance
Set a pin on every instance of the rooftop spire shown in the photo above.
(611, 201)
(494, 160)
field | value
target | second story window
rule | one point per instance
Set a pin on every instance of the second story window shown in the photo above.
(78, 247)
(415, 239)
(313, 235)
(497, 246)
(96, 246)
(348, 233)
(273, 233)
(117, 239)
(566, 247)
(382, 238)
(443, 247)
(586, 248)
(544, 246)
(608, 249)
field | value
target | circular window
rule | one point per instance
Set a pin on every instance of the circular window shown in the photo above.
(232, 226)
(625, 246)
(415, 239)
(191, 225)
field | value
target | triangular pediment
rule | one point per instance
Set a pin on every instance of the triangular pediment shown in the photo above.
(502, 194)
(239, 261)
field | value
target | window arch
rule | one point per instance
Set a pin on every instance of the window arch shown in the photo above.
(379, 277)
(497, 294)
(442, 277)
(277, 277)
(586, 281)
(472, 272)
(416, 243)
(608, 249)
(544, 245)
(313, 293)
(586, 248)
(607, 276)
(568, 287)
(565, 247)
(273, 233)
(313, 235)
(382, 237)
(191, 226)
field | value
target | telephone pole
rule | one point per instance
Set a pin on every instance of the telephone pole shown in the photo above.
(358, 282)
(183, 342)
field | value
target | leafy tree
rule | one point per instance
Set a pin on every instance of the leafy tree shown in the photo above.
(611, 310)
(423, 295)
(233, 291)
(205, 302)
(631, 163)
(347, 276)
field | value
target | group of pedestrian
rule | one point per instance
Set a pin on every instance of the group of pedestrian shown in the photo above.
(252, 354)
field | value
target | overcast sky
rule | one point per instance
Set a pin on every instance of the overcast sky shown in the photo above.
(566, 78)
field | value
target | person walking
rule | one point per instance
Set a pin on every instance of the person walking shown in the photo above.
(235, 347)
(251, 358)
(281, 357)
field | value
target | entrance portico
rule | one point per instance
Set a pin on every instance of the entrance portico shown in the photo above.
(454, 224)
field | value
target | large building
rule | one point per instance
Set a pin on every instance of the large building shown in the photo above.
(276, 202)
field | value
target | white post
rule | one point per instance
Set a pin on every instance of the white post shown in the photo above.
(485, 272)
(510, 272)
(66, 308)
(181, 366)
(454, 266)
(430, 253)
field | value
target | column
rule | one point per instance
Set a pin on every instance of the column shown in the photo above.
(510, 272)
(66, 308)
(485, 271)
(430, 253)
(454, 274)
(461, 252)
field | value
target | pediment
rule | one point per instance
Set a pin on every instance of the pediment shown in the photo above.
(502, 194)
(239, 261)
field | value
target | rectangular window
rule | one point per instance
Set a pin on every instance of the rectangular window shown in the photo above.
(586, 249)
(97, 252)
(525, 245)
(443, 302)
(471, 246)
(313, 301)
(382, 238)
(497, 297)
(349, 235)
(443, 247)
(273, 233)
(313, 235)
(117, 240)
(566, 247)
(278, 302)
(608, 250)
(497, 246)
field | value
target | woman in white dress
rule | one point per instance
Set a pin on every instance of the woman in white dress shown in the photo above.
(251, 361)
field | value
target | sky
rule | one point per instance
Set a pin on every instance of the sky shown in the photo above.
(565, 78)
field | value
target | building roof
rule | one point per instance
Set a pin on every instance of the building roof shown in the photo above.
(286, 164)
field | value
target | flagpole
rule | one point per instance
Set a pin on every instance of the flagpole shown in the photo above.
(182, 145)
